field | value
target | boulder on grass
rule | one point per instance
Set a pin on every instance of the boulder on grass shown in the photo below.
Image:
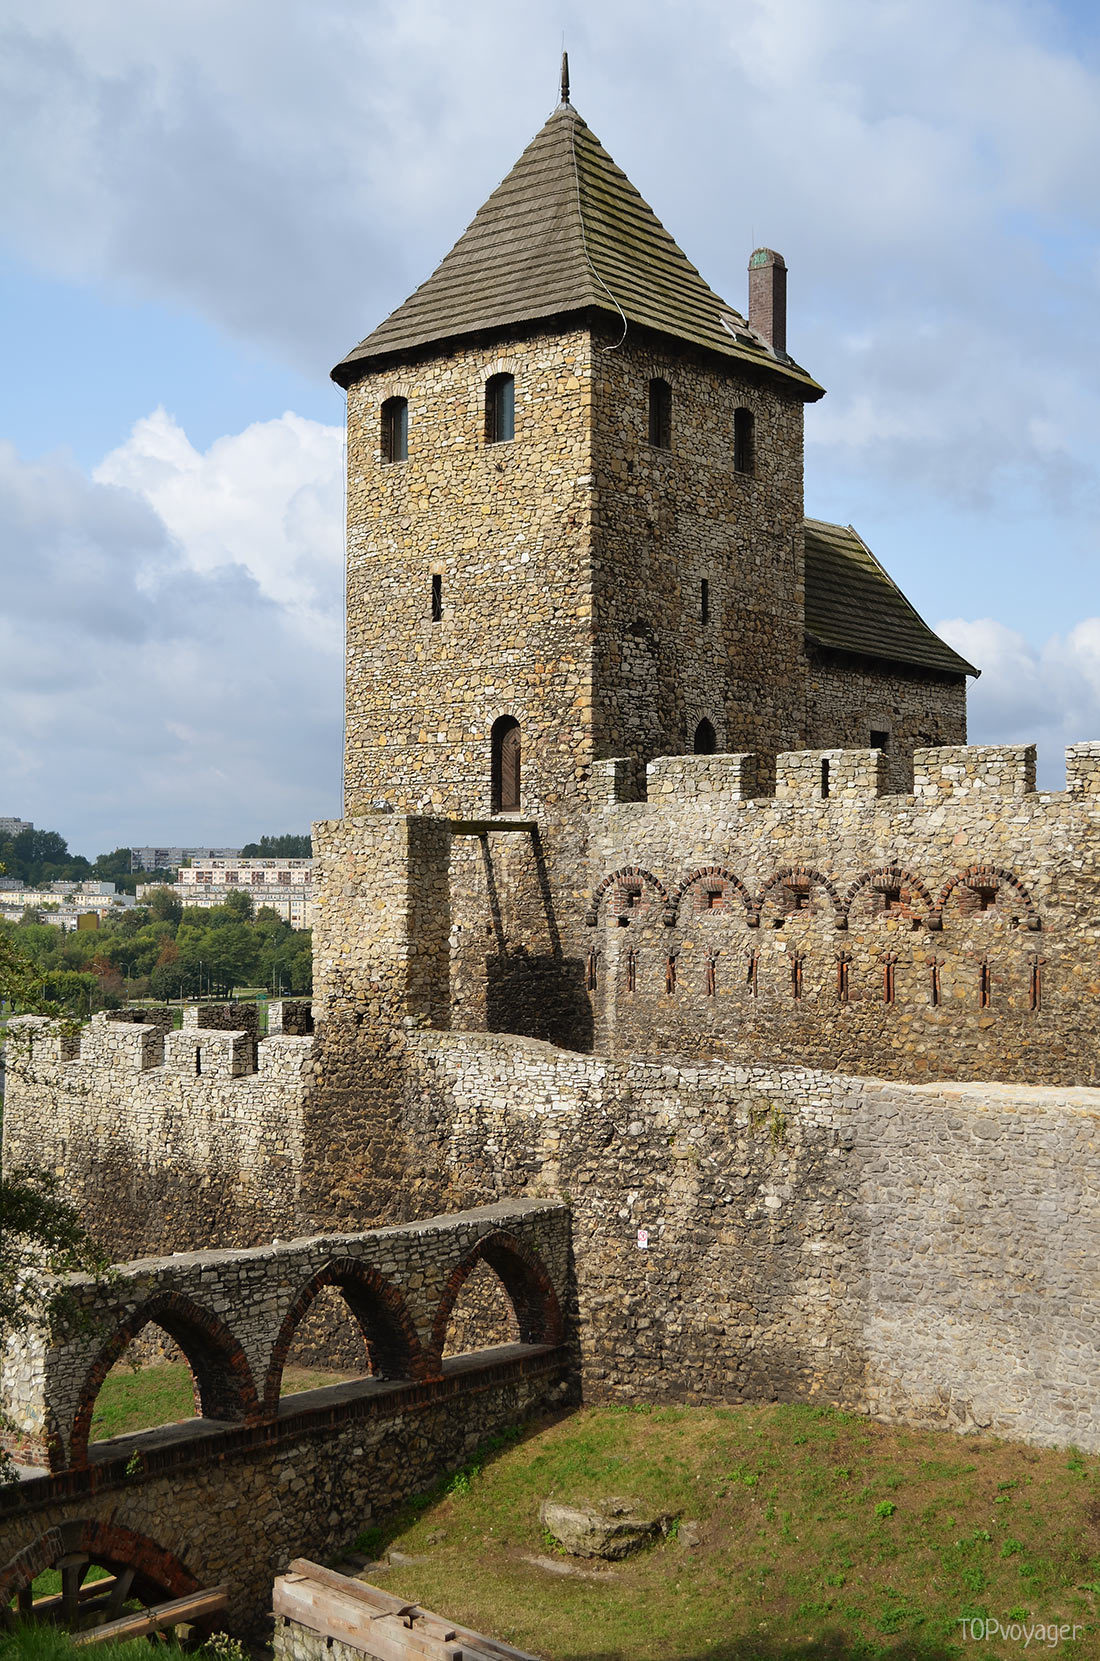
(610, 1530)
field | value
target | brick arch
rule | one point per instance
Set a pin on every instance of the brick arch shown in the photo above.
(224, 1388)
(524, 1278)
(980, 876)
(378, 1310)
(802, 873)
(624, 874)
(159, 1573)
(895, 876)
(700, 872)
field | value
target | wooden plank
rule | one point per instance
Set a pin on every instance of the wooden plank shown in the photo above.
(361, 1590)
(194, 1607)
(89, 1592)
(119, 1593)
(475, 1645)
(487, 827)
(381, 1634)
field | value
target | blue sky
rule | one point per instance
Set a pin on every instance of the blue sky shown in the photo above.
(205, 205)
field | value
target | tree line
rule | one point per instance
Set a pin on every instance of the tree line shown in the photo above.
(37, 857)
(164, 950)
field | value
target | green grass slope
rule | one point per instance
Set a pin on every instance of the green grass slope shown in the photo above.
(819, 1535)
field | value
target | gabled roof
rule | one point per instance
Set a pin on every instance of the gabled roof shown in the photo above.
(853, 606)
(567, 232)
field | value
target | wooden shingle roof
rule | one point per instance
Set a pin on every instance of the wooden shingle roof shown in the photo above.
(567, 232)
(853, 606)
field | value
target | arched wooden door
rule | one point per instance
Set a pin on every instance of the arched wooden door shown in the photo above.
(506, 765)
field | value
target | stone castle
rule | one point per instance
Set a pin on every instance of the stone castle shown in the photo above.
(668, 886)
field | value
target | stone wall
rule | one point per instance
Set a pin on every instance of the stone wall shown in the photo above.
(506, 528)
(669, 519)
(850, 698)
(166, 1140)
(925, 1253)
(235, 1315)
(947, 933)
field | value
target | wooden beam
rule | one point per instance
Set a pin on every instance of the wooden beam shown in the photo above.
(335, 1597)
(486, 827)
(196, 1606)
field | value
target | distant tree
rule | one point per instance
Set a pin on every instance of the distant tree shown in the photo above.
(110, 867)
(164, 906)
(279, 847)
(238, 903)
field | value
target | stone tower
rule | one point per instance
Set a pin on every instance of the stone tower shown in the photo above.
(574, 506)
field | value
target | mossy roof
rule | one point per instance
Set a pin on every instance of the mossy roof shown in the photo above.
(852, 605)
(567, 232)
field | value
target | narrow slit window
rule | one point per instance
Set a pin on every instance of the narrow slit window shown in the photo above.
(889, 983)
(704, 601)
(824, 779)
(744, 441)
(500, 409)
(437, 598)
(1035, 988)
(395, 430)
(660, 415)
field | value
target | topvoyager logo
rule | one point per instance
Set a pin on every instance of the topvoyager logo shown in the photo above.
(981, 1629)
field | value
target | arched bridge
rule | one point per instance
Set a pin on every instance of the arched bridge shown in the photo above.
(254, 1480)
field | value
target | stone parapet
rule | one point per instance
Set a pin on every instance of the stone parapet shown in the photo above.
(735, 776)
(218, 1055)
(1002, 770)
(820, 775)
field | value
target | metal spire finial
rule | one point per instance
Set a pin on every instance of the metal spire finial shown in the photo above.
(565, 77)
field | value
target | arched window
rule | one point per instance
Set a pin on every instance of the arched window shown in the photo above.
(660, 414)
(395, 429)
(500, 409)
(744, 443)
(506, 764)
(705, 741)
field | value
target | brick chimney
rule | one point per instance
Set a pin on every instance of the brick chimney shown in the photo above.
(768, 297)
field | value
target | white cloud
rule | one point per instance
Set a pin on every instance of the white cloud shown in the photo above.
(152, 691)
(269, 499)
(1048, 695)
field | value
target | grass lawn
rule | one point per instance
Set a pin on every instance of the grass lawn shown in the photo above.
(160, 1394)
(820, 1535)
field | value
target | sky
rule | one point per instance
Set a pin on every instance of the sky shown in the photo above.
(205, 203)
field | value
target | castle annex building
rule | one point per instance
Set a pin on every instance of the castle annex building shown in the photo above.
(667, 883)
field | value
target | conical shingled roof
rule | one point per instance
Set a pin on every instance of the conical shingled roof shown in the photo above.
(567, 232)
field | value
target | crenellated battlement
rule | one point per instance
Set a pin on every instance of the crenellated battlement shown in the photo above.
(986, 771)
(115, 1042)
(945, 932)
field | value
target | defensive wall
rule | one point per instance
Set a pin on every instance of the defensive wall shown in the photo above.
(167, 1140)
(948, 933)
(924, 1253)
(839, 1051)
(236, 1493)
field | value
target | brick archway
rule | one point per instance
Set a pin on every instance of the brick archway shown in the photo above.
(224, 1387)
(157, 1572)
(378, 1310)
(526, 1282)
